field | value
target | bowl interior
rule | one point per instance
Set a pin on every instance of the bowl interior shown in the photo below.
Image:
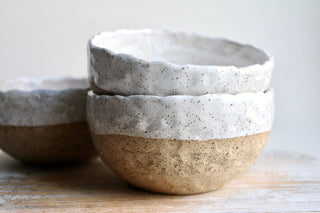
(180, 48)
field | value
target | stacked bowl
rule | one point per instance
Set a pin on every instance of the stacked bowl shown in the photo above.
(177, 113)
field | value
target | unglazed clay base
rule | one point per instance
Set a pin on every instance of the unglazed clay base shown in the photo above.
(54, 144)
(179, 166)
(157, 62)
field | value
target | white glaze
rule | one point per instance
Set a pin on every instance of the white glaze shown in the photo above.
(213, 116)
(43, 101)
(155, 62)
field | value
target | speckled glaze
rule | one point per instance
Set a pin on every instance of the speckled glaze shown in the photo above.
(44, 120)
(156, 62)
(43, 101)
(206, 117)
(179, 166)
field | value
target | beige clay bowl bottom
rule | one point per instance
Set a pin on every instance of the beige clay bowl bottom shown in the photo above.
(52, 144)
(179, 167)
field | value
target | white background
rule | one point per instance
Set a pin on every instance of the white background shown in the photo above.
(48, 38)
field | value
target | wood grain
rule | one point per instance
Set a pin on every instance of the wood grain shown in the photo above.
(278, 182)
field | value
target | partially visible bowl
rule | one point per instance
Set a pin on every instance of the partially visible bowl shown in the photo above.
(43, 121)
(180, 144)
(156, 62)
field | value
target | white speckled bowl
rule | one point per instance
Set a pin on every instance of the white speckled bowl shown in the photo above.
(180, 144)
(155, 62)
(44, 120)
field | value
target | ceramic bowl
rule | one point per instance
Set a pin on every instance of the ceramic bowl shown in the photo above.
(44, 120)
(180, 144)
(155, 62)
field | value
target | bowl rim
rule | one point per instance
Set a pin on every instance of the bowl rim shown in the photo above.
(36, 84)
(92, 93)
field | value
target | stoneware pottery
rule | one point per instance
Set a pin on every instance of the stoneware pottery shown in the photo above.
(44, 120)
(180, 144)
(156, 62)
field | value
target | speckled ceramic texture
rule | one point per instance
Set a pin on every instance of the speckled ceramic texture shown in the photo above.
(44, 120)
(179, 166)
(206, 117)
(44, 101)
(156, 62)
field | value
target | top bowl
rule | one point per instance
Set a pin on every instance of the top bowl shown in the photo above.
(156, 62)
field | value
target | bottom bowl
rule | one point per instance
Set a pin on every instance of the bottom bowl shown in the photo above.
(180, 144)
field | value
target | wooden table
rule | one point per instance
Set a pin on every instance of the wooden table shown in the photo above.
(278, 182)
